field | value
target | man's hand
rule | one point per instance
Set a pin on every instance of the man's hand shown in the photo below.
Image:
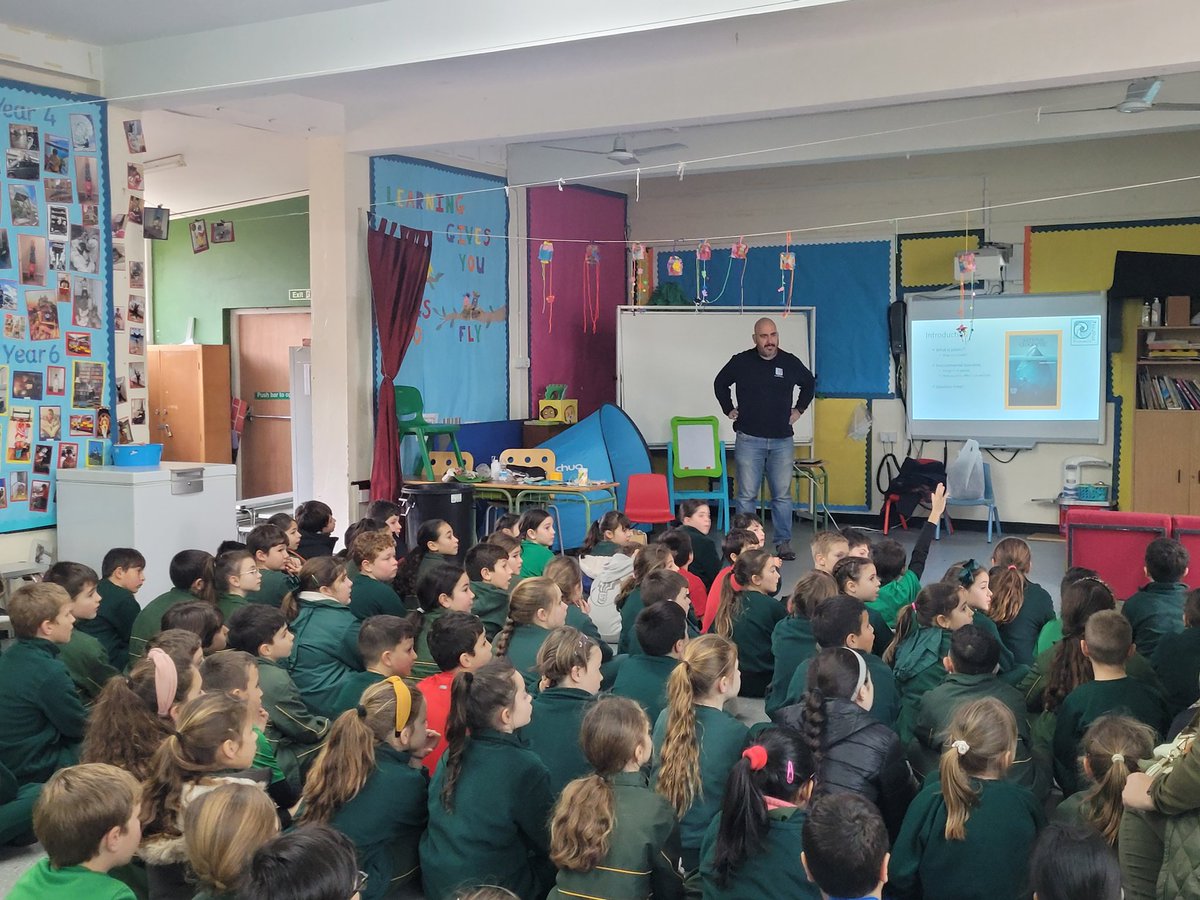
(937, 503)
(793, 416)
(732, 414)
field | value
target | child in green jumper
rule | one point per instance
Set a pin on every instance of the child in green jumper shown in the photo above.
(857, 577)
(629, 600)
(202, 619)
(747, 616)
(974, 583)
(442, 589)
(436, 544)
(1020, 608)
(637, 852)
(537, 538)
(662, 635)
(845, 847)
(792, 641)
(192, 579)
(269, 547)
(372, 569)
(1157, 608)
(84, 656)
(87, 821)
(898, 583)
(386, 645)
(1177, 658)
(221, 831)
(535, 609)
(236, 576)
(491, 576)
(122, 573)
(695, 516)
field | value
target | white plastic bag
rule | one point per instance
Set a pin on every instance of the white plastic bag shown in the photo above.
(860, 423)
(964, 476)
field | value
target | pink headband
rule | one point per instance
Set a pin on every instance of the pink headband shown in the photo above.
(166, 680)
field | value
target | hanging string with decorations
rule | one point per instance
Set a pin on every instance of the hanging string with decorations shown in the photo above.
(591, 287)
(739, 251)
(964, 271)
(787, 263)
(546, 261)
(674, 261)
(703, 256)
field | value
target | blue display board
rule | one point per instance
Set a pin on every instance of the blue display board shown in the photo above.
(56, 340)
(458, 358)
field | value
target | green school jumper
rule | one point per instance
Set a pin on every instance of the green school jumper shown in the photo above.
(633, 605)
(44, 881)
(1020, 635)
(918, 669)
(553, 733)
(1050, 635)
(113, 623)
(294, 733)
(1033, 685)
(578, 619)
(498, 831)
(491, 606)
(273, 588)
(43, 719)
(424, 666)
(603, 548)
(899, 593)
(523, 647)
(149, 621)
(1177, 662)
(231, 603)
(772, 872)
(87, 662)
(706, 560)
(643, 849)
(16, 810)
(792, 642)
(534, 557)
(1155, 610)
(352, 690)
(644, 679)
(385, 820)
(992, 863)
(752, 630)
(721, 739)
(430, 561)
(885, 709)
(325, 652)
(369, 597)
(1010, 670)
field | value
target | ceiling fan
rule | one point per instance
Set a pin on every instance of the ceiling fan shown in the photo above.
(620, 153)
(1139, 98)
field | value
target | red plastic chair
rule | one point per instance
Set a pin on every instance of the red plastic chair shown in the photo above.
(647, 499)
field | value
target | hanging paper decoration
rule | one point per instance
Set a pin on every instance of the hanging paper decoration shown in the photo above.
(591, 287)
(674, 266)
(639, 251)
(546, 260)
(739, 249)
(787, 263)
(703, 255)
(704, 251)
(964, 265)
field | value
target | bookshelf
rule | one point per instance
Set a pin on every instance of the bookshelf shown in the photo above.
(1166, 425)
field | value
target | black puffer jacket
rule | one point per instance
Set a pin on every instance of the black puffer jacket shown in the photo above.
(859, 755)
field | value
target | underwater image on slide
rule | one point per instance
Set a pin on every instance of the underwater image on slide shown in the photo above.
(1033, 373)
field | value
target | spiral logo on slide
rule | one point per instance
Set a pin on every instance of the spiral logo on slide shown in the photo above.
(1085, 331)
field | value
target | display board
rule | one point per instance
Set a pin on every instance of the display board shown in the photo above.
(56, 346)
(668, 357)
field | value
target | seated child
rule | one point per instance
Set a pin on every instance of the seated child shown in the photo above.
(629, 601)
(192, 576)
(1020, 608)
(856, 577)
(122, 573)
(845, 847)
(1051, 632)
(290, 865)
(637, 852)
(442, 589)
(436, 544)
(87, 822)
(1073, 864)
(457, 643)
(1107, 644)
(292, 730)
(827, 548)
(734, 543)
(372, 570)
(491, 576)
(1177, 658)
(606, 534)
(752, 523)
(201, 617)
(362, 526)
(662, 635)
(386, 645)
(569, 664)
(222, 830)
(681, 551)
(536, 531)
(269, 547)
(695, 516)
(970, 827)
(43, 718)
(511, 546)
(389, 514)
(368, 785)
(316, 523)
(286, 523)
(751, 848)
(16, 810)
(83, 655)
(607, 581)
(858, 542)
(747, 616)
(792, 641)
(1157, 608)
(566, 573)
(662, 585)
(507, 524)
(535, 609)
(898, 584)
(236, 576)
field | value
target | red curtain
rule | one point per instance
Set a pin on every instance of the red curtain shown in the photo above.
(399, 266)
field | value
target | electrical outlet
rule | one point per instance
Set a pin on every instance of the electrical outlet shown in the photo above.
(887, 437)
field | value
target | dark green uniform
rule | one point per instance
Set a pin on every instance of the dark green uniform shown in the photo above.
(603, 548)
(522, 652)
(326, 650)
(1155, 610)
(1020, 635)
(231, 603)
(1010, 671)
(772, 872)
(534, 557)
(792, 642)
(1033, 685)
(294, 733)
(629, 613)
(352, 690)
(113, 623)
(491, 606)
(886, 707)
(42, 715)
(369, 597)
(644, 679)
(498, 830)
(553, 733)
(87, 662)
(706, 560)
(721, 739)
(577, 618)
(424, 665)
(1177, 662)
(149, 621)
(993, 860)
(643, 849)
(68, 883)
(16, 809)
(752, 630)
(918, 669)
(273, 588)
(385, 820)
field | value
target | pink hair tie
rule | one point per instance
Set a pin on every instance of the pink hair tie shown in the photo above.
(1012, 567)
(733, 583)
(166, 680)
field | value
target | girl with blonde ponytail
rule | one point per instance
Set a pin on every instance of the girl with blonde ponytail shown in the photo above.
(1112, 748)
(696, 742)
(610, 835)
(971, 833)
(535, 608)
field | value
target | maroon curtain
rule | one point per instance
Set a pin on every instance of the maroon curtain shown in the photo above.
(399, 266)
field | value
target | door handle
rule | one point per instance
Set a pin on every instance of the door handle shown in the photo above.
(167, 428)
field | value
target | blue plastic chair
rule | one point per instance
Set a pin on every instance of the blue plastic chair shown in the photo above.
(718, 472)
(988, 499)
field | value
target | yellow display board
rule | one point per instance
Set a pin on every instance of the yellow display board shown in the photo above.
(845, 459)
(930, 260)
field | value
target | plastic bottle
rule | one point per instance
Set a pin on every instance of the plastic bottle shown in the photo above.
(1145, 322)
(495, 469)
(1155, 313)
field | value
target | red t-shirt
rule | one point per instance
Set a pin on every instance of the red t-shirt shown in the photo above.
(714, 599)
(436, 691)
(695, 591)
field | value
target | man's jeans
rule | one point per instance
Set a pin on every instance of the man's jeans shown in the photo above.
(750, 454)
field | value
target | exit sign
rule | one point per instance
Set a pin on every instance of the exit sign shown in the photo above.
(272, 395)
(302, 294)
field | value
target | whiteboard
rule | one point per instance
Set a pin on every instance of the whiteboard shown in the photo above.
(667, 358)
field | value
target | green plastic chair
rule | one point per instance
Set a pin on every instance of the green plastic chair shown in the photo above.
(410, 419)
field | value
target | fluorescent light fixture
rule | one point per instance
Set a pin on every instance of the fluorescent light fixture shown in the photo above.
(175, 161)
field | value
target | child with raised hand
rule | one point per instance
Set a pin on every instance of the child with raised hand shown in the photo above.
(751, 849)
(457, 643)
(856, 577)
(368, 783)
(536, 532)
(629, 602)
(733, 545)
(191, 574)
(845, 847)
(606, 534)
(748, 616)
(325, 650)
(490, 800)
(372, 569)
(1020, 608)
(436, 544)
(1177, 658)
(1157, 608)
(969, 833)
(567, 574)
(569, 665)
(87, 821)
(792, 641)
(899, 583)
(203, 619)
(535, 609)
(387, 647)
(222, 830)
(695, 518)
(491, 576)
(852, 751)
(122, 573)
(312, 862)
(269, 547)
(442, 589)
(610, 835)
(696, 742)
(1071, 863)
(920, 643)
(974, 583)
(84, 656)
(662, 635)
(236, 576)
(40, 707)
(316, 523)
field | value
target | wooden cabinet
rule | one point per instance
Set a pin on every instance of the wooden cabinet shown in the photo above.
(190, 401)
(1166, 461)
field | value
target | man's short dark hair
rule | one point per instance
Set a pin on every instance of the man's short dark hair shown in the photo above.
(974, 651)
(253, 625)
(680, 544)
(121, 558)
(381, 633)
(452, 635)
(845, 842)
(659, 626)
(483, 556)
(1166, 560)
(836, 619)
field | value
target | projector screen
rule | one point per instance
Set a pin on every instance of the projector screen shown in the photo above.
(1023, 369)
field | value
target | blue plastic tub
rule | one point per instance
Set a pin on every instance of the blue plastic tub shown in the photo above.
(137, 454)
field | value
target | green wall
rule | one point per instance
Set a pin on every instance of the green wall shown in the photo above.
(268, 257)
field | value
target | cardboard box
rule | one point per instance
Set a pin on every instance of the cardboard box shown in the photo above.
(1178, 312)
(559, 411)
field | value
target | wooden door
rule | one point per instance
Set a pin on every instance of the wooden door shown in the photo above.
(1163, 464)
(174, 381)
(262, 377)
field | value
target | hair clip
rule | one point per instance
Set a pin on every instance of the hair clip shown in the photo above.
(791, 772)
(967, 576)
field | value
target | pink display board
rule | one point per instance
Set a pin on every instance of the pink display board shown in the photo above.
(561, 349)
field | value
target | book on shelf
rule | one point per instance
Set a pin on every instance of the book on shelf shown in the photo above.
(1168, 392)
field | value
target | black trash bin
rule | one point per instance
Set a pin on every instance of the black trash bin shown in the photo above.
(451, 501)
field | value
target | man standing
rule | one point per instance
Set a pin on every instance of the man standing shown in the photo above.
(766, 379)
